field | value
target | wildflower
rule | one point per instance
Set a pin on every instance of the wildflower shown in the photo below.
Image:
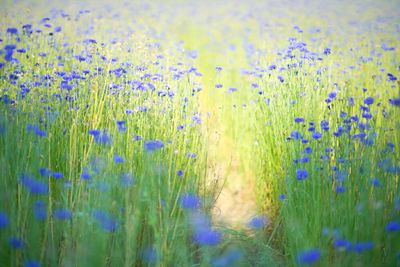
(324, 125)
(179, 172)
(31, 263)
(149, 255)
(298, 120)
(127, 179)
(340, 189)
(34, 186)
(282, 197)
(189, 201)
(296, 135)
(118, 159)
(332, 95)
(395, 101)
(375, 182)
(62, 214)
(85, 175)
(207, 237)
(153, 145)
(39, 210)
(301, 174)
(368, 101)
(16, 242)
(58, 175)
(12, 31)
(363, 246)
(309, 256)
(316, 135)
(258, 222)
(393, 226)
(3, 220)
(342, 244)
(107, 222)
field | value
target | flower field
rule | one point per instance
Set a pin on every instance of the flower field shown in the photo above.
(199, 133)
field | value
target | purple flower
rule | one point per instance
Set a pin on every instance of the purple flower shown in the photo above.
(179, 172)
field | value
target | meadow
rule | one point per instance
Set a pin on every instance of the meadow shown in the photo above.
(199, 133)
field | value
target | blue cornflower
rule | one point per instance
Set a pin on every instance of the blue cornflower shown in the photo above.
(375, 182)
(153, 145)
(57, 175)
(16, 242)
(298, 120)
(179, 172)
(39, 210)
(282, 197)
(207, 237)
(107, 222)
(62, 214)
(258, 222)
(332, 95)
(308, 150)
(149, 255)
(118, 159)
(327, 51)
(309, 256)
(363, 246)
(395, 101)
(324, 125)
(34, 186)
(85, 175)
(45, 172)
(103, 138)
(191, 155)
(127, 179)
(296, 135)
(368, 100)
(121, 126)
(189, 201)
(393, 226)
(316, 135)
(196, 119)
(367, 115)
(301, 174)
(3, 220)
(342, 244)
(31, 263)
(12, 30)
(340, 189)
